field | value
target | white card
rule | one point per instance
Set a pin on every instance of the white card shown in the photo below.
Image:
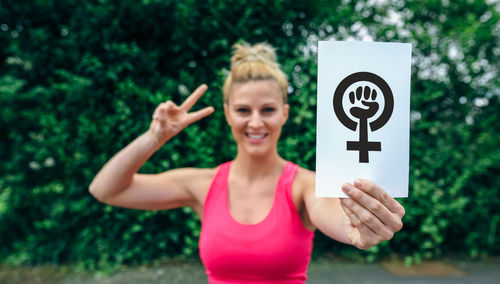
(363, 116)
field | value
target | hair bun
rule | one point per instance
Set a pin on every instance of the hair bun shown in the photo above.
(261, 52)
(255, 62)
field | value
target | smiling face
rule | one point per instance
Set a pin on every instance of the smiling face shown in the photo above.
(256, 112)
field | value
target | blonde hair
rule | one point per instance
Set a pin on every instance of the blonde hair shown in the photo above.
(251, 63)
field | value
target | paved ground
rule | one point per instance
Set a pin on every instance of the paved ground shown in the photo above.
(441, 272)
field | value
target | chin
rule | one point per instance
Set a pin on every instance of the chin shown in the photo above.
(256, 150)
(258, 153)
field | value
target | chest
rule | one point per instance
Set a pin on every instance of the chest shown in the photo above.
(251, 202)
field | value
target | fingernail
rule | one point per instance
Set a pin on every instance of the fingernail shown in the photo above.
(347, 188)
(358, 183)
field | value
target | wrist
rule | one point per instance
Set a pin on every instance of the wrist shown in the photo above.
(150, 142)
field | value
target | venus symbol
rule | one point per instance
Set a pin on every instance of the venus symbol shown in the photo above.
(366, 96)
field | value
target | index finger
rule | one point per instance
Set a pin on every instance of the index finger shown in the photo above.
(381, 195)
(191, 100)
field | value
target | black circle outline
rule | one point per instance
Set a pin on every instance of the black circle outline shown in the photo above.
(357, 77)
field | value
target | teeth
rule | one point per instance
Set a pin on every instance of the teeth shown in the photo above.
(255, 136)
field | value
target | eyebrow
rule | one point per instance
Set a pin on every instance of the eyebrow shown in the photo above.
(264, 105)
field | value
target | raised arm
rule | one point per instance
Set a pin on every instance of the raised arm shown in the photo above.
(118, 183)
(367, 218)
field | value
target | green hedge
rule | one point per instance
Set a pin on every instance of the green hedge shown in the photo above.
(79, 80)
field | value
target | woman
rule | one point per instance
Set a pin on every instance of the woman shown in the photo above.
(259, 212)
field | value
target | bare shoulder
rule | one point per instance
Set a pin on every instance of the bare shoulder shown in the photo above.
(305, 179)
(196, 181)
(302, 185)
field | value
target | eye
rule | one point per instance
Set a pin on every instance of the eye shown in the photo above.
(242, 110)
(268, 109)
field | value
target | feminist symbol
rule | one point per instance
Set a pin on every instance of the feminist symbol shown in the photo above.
(367, 98)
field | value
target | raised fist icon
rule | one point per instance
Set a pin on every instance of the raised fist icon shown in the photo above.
(367, 99)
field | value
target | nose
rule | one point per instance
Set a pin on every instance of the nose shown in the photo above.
(255, 121)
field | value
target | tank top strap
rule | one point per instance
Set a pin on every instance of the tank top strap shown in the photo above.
(223, 173)
(214, 198)
(288, 174)
(286, 183)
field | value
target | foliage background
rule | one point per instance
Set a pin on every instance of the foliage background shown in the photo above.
(79, 80)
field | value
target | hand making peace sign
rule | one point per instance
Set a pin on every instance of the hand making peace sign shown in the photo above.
(169, 119)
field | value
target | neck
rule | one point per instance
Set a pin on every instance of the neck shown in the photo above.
(254, 167)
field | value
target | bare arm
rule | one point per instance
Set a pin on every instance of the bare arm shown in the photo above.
(326, 214)
(118, 173)
(118, 183)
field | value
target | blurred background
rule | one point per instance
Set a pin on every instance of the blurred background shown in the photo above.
(79, 80)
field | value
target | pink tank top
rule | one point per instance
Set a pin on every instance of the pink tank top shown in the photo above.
(275, 250)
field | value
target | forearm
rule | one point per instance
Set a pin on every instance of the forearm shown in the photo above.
(328, 217)
(118, 172)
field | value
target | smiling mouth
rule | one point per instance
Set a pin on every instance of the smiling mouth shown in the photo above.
(256, 136)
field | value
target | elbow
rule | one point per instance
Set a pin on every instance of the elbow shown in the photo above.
(94, 191)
